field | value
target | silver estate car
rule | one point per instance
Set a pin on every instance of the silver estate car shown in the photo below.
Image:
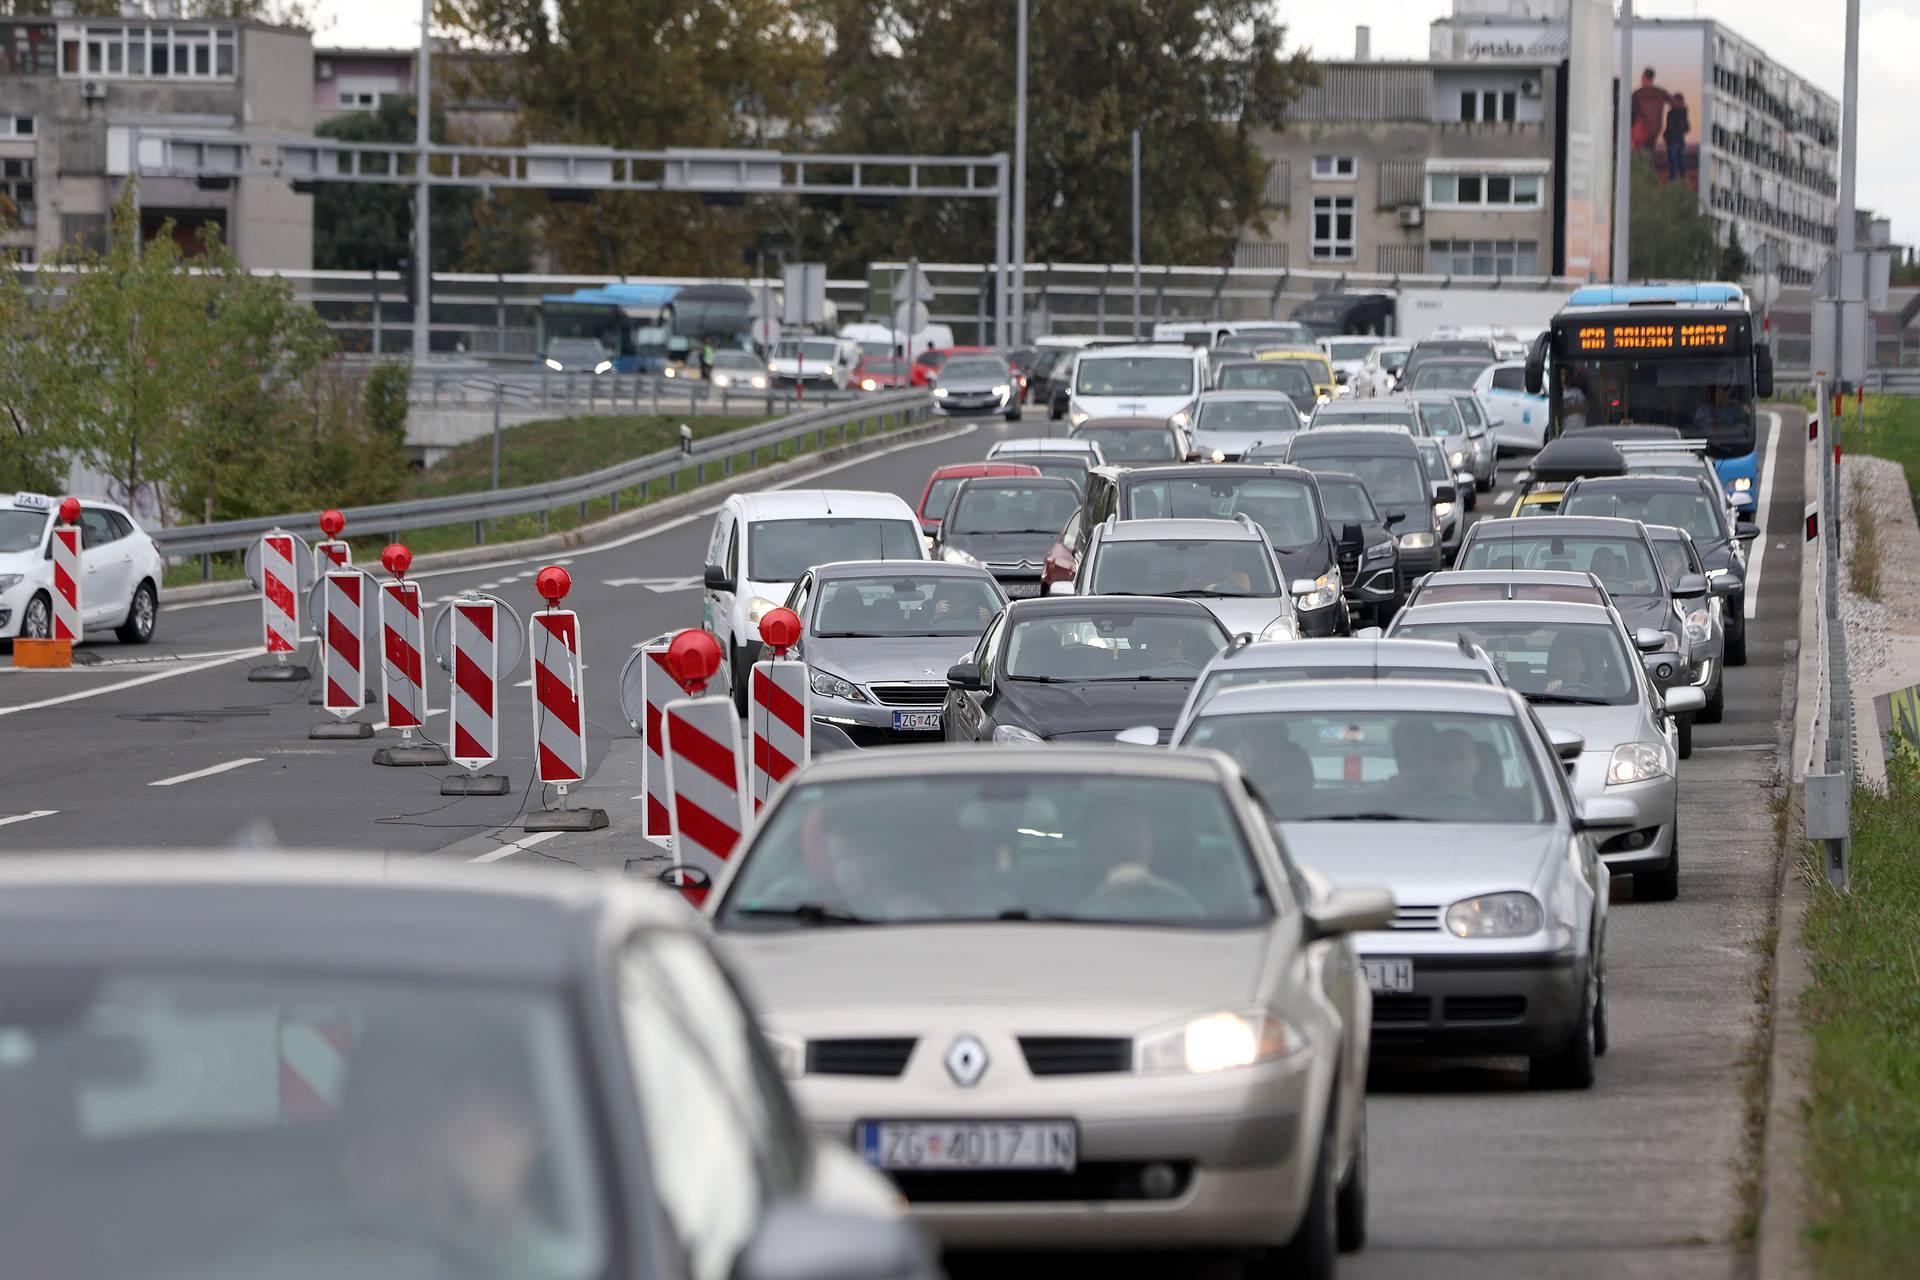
(1451, 795)
(878, 636)
(1227, 565)
(1065, 996)
(1575, 665)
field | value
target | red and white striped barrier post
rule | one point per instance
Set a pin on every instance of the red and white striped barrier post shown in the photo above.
(477, 627)
(343, 655)
(779, 708)
(559, 705)
(66, 572)
(276, 571)
(403, 663)
(332, 552)
(706, 769)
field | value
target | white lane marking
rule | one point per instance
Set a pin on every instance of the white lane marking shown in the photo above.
(115, 664)
(1762, 511)
(123, 684)
(27, 817)
(1503, 497)
(207, 772)
(491, 566)
(659, 586)
(508, 850)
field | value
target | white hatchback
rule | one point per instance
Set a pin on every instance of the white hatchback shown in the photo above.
(120, 570)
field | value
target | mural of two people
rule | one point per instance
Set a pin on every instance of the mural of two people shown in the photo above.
(1662, 122)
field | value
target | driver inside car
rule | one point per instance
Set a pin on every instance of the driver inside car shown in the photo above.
(1119, 840)
(1567, 666)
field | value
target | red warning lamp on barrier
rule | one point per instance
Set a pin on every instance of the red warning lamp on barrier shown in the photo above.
(69, 511)
(694, 658)
(396, 558)
(332, 522)
(553, 583)
(781, 630)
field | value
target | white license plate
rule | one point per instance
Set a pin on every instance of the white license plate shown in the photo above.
(1021, 590)
(970, 1144)
(1388, 977)
(917, 720)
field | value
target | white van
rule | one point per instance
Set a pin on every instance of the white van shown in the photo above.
(762, 542)
(880, 339)
(1137, 382)
(815, 360)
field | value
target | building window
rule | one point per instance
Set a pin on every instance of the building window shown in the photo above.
(28, 50)
(1489, 106)
(134, 53)
(1334, 168)
(16, 126)
(16, 186)
(1482, 190)
(1485, 258)
(1332, 228)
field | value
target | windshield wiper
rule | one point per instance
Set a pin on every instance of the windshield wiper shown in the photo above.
(1566, 700)
(1381, 816)
(804, 912)
(1132, 679)
(856, 635)
(1049, 679)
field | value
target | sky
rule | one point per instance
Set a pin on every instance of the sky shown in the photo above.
(1805, 34)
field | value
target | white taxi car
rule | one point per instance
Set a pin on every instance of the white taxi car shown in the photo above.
(120, 570)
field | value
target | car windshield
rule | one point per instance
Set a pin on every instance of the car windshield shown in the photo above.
(821, 349)
(1313, 362)
(1419, 766)
(1039, 846)
(1283, 507)
(1394, 361)
(738, 360)
(201, 1123)
(1623, 564)
(1135, 376)
(785, 549)
(1246, 415)
(1073, 469)
(1349, 348)
(1011, 507)
(1436, 461)
(1695, 511)
(1183, 567)
(939, 497)
(1133, 444)
(1469, 410)
(1109, 644)
(21, 530)
(1367, 416)
(1279, 673)
(1393, 481)
(1675, 563)
(975, 369)
(1565, 661)
(1445, 375)
(1290, 379)
(1347, 502)
(1441, 418)
(921, 604)
(883, 364)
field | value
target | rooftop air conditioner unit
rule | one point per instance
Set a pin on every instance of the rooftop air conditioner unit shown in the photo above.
(1529, 88)
(93, 90)
(1412, 215)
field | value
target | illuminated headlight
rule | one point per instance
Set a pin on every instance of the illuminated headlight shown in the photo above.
(1326, 590)
(1217, 456)
(557, 367)
(1638, 762)
(1495, 915)
(667, 372)
(1218, 1042)
(828, 685)
(1182, 418)
(1077, 416)
(1381, 550)
(1458, 457)
(939, 393)
(603, 366)
(1003, 391)
(954, 555)
(1441, 510)
(722, 380)
(789, 1054)
(1742, 484)
(1281, 629)
(1010, 733)
(868, 384)
(1416, 541)
(759, 607)
(1699, 626)
(759, 380)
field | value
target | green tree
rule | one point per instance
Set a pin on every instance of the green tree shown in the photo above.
(32, 453)
(1734, 262)
(1672, 237)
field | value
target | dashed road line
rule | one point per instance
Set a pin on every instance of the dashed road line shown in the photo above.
(187, 670)
(207, 772)
(508, 850)
(1761, 512)
(10, 819)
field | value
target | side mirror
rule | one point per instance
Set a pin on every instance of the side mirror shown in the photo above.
(1722, 584)
(1463, 480)
(965, 675)
(1537, 363)
(1691, 586)
(801, 1242)
(1606, 813)
(1567, 745)
(1746, 530)
(1351, 534)
(1684, 699)
(1350, 911)
(1394, 517)
(1762, 372)
(1648, 640)
(1141, 735)
(1061, 587)
(716, 579)
(1443, 491)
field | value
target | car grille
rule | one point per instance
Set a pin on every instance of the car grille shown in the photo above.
(862, 1057)
(910, 695)
(866, 735)
(1409, 917)
(1076, 1055)
(1485, 1008)
(1402, 1011)
(1349, 562)
(1093, 1180)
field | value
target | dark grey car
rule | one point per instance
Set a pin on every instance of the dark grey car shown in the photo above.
(977, 384)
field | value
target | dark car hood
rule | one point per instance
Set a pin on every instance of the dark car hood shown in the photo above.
(1646, 611)
(1003, 548)
(1305, 562)
(1092, 708)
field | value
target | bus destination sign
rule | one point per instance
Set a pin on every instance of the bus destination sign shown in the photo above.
(1657, 337)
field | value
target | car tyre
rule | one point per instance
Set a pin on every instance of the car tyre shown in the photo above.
(1684, 734)
(1350, 1202)
(1662, 885)
(1013, 414)
(1313, 1252)
(142, 614)
(1736, 654)
(739, 678)
(1572, 1066)
(1473, 496)
(1600, 1005)
(36, 620)
(1716, 708)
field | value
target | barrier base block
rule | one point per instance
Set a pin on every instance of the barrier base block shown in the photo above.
(475, 784)
(275, 673)
(341, 729)
(313, 699)
(42, 653)
(566, 820)
(410, 757)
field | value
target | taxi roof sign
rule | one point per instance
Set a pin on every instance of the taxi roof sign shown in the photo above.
(33, 501)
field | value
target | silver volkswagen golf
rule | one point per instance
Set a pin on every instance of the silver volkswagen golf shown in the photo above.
(1066, 996)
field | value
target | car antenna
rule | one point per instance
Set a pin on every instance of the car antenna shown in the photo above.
(827, 498)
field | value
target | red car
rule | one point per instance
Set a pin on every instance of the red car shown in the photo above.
(880, 373)
(941, 484)
(928, 362)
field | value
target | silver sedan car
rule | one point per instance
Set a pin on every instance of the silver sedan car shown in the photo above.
(878, 636)
(1065, 996)
(1575, 665)
(1450, 794)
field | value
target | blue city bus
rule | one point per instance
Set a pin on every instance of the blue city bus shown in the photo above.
(1677, 355)
(644, 328)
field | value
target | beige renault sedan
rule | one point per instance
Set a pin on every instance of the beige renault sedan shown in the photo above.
(1069, 997)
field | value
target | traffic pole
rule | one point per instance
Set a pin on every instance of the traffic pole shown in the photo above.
(331, 552)
(706, 770)
(647, 684)
(276, 573)
(476, 627)
(559, 706)
(779, 708)
(66, 582)
(343, 655)
(402, 665)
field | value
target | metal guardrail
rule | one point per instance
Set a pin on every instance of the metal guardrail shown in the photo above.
(875, 413)
(1828, 775)
(520, 385)
(1881, 380)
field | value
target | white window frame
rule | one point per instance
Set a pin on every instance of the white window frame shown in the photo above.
(125, 52)
(1333, 247)
(1440, 261)
(10, 126)
(1336, 168)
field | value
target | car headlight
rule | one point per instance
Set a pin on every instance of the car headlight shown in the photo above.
(1638, 762)
(722, 380)
(1281, 629)
(1416, 541)
(868, 384)
(759, 379)
(557, 367)
(603, 366)
(1380, 550)
(759, 607)
(1007, 733)
(1441, 510)
(1077, 416)
(667, 372)
(954, 555)
(939, 393)
(1218, 1042)
(1742, 484)
(1495, 915)
(1181, 418)
(1003, 391)
(789, 1053)
(1326, 590)
(1699, 626)
(1218, 455)
(828, 685)
(1458, 457)
(8, 581)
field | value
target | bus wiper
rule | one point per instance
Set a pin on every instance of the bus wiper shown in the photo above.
(814, 913)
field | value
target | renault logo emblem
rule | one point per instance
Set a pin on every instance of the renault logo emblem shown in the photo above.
(967, 1061)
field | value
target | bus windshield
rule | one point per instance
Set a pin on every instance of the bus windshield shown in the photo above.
(1708, 399)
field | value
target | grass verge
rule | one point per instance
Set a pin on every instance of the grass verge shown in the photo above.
(1889, 428)
(1757, 1082)
(1863, 1012)
(1863, 557)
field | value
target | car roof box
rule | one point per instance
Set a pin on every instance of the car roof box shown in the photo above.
(1572, 457)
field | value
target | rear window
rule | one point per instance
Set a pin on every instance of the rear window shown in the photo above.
(1453, 592)
(1510, 380)
(782, 550)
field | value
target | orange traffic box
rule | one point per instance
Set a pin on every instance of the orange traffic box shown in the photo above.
(42, 653)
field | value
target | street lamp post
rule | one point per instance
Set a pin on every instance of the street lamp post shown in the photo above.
(422, 246)
(1020, 183)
